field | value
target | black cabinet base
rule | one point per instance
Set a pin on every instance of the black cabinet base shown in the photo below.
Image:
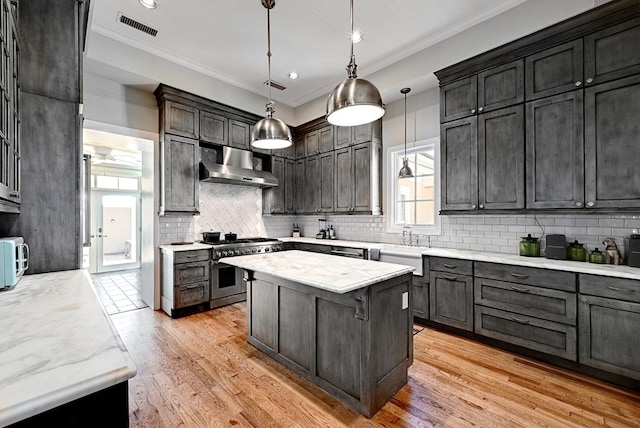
(108, 408)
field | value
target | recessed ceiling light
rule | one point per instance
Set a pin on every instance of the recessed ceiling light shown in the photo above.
(356, 36)
(293, 75)
(149, 4)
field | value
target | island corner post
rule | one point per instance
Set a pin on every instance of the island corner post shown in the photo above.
(357, 346)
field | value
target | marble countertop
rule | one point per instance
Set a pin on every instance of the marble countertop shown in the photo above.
(619, 271)
(332, 273)
(57, 344)
(186, 247)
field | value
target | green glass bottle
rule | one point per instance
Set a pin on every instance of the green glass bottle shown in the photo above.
(577, 252)
(530, 246)
(596, 256)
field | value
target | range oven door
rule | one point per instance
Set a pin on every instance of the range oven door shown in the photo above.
(225, 280)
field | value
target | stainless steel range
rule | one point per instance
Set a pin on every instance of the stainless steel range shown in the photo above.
(227, 284)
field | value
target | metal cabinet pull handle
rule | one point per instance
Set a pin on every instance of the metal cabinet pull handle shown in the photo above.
(590, 80)
(624, 290)
(521, 290)
(578, 204)
(191, 266)
(590, 203)
(578, 83)
(191, 287)
(473, 206)
(480, 109)
(473, 110)
(516, 319)
(450, 278)
(519, 275)
(449, 266)
(481, 206)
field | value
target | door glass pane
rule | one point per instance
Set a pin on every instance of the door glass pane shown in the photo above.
(119, 224)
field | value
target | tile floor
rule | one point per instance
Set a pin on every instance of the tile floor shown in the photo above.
(119, 291)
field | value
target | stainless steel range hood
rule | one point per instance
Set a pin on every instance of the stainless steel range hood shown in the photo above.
(236, 168)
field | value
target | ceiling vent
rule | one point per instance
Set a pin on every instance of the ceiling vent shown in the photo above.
(137, 25)
(275, 85)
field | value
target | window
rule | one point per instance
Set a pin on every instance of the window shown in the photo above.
(415, 201)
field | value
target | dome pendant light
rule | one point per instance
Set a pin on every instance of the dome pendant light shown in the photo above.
(405, 171)
(354, 101)
(270, 133)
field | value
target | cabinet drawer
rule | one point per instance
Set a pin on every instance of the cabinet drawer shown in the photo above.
(546, 278)
(191, 256)
(552, 305)
(457, 266)
(614, 288)
(190, 294)
(532, 333)
(186, 273)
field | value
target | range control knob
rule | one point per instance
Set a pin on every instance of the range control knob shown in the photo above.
(254, 250)
(267, 249)
(218, 254)
(224, 254)
(237, 252)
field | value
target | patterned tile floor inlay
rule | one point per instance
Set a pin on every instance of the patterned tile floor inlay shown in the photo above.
(119, 291)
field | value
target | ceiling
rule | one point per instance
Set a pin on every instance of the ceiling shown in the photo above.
(227, 39)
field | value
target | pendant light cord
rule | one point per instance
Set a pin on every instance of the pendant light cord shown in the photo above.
(270, 102)
(405, 125)
(351, 68)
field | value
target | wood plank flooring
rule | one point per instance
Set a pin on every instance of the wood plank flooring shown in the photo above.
(199, 371)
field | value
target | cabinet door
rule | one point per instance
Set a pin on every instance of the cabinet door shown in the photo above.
(344, 137)
(239, 135)
(501, 159)
(612, 53)
(289, 190)
(311, 143)
(459, 160)
(181, 120)
(451, 300)
(361, 171)
(299, 186)
(420, 298)
(555, 152)
(501, 86)
(299, 148)
(612, 144)
(312, 190)
(344, 180)
(214, 128)
(180, 185)
(458, 99)
(327, 181)
(363, 133)
(554, 70)
(326, 139)
(608, 335)
(278, 170)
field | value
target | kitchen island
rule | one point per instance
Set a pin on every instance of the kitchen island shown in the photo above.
(344, 324)
(63, 362)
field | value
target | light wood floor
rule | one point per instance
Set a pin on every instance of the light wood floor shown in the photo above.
(198, 371)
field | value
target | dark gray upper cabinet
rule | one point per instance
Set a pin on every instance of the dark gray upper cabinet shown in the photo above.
(214, 128)
(612, 144)
(289, 189)
(326, 143)
(312, 191)
(239, 134)
(298, 186)
(501, 86)
(352, 135)
(459, 164)
(344, 182)
(180, 185)
(299, 148)
(612, 53)
(273, 198)
(554, 70)
(555, 151)
(501, 159)
(311, 143)
(180, 119)
(353, 167)
(458, 99)
(327, 181)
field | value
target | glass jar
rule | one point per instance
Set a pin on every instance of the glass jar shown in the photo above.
(530, 246)
(596, 256)
(577, 252)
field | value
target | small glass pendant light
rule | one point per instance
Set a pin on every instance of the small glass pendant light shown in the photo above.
(405, 171)
(270, 133)
(354, 101)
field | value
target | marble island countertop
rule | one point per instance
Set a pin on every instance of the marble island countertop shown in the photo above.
(332, 273)
(56, 345)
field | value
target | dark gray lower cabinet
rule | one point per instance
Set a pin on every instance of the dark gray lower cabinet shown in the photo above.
(185, 280)
(421, 297)
(356, 346)
(451, 299)
(609, 316)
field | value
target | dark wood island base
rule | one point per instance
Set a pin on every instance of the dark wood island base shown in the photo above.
(356, 346)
